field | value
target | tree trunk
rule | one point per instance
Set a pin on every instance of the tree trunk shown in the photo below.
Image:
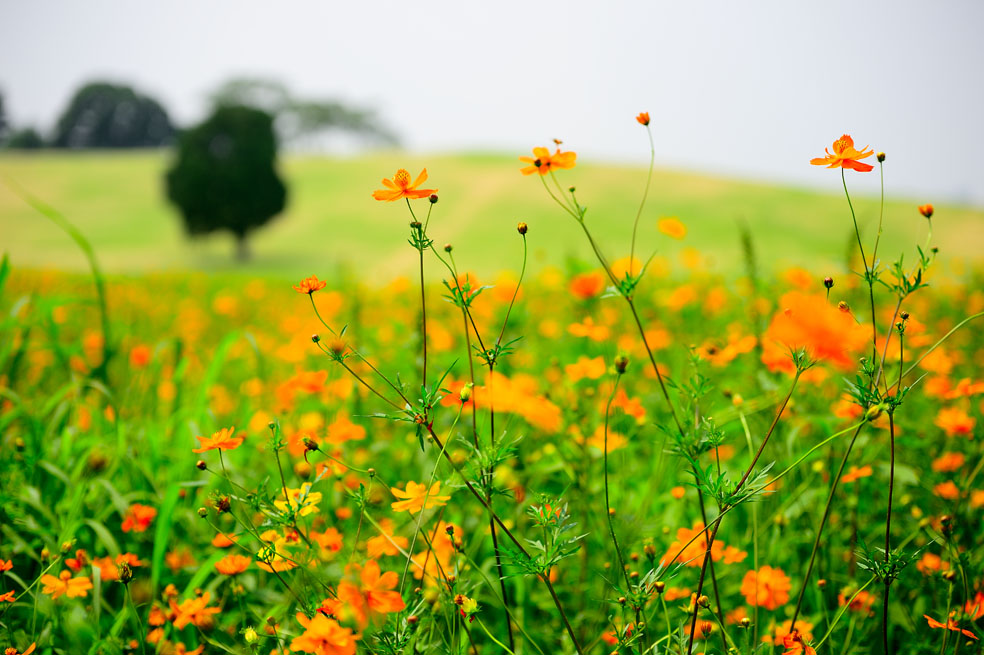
(243, 253)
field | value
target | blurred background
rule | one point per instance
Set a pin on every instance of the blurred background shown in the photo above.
(243, 136)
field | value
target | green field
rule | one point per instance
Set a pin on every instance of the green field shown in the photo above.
(117, 200)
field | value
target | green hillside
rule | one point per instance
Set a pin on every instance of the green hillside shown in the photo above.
(117, 200)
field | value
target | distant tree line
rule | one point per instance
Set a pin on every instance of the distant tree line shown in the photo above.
(106, 115)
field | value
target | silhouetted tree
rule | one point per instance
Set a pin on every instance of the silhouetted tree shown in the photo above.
(297, 119)
(26, 138)
(104, 115)
(224, 176)
(3, 119)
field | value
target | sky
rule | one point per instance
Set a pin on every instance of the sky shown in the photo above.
(742, 89)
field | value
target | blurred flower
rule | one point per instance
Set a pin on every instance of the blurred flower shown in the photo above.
(309, 285)
(138, 518)
(542, 161)
(643, 118)
(221, 440)
(587, 285)
(693, 554)
(949, 625)
(955, 421)
(672, 227)
(194, 611)
(845, 156)
(65, 584)
(767, 587)
(233, 564)
(323, 636)
(400, 187)
(417, 497)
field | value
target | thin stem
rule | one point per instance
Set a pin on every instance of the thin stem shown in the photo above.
(608, 504)
(823, 522)
(868, 271)
(888, 531)
(645, 193)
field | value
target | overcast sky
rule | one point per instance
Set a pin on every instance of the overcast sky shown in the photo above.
(749, 89)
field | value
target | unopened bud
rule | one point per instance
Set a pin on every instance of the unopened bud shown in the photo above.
(124, 572)
(522, 228)
(828, 282)
(704, 601)
(315, 338)
(466, 393)
(843, 306)
(904, 315)
(745, 622)
(880, 156)
(250, 636)
(659, 586)
(621, 363)
(201, 465)
(448, 247)
(202, 512)
(433, 198)
(926, 210)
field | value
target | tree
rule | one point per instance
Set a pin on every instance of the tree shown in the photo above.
(104, 115)
(224, 176)
(3, 120)
(26, 138)
(297, 119)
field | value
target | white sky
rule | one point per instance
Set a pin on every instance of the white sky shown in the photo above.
(743, 88)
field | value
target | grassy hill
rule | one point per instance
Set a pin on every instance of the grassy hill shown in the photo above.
(117, 200)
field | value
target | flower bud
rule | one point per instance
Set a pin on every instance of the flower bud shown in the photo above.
(448, 247)
(621, 363)
(202, 512)
(828, 282)
(659, 586)
(522, 228)
(926, 210)
(433, 198)
(201, 465)
(223, 504)
(124, 572)
(315, 338)
(843, 306)
(466, 393)
(704, 601)
(880, 156)
(250, 636)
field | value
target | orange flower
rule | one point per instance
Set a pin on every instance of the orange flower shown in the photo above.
(309, 285)
(955, 421)
(418, 497)
(400, 187)
(7, 597)
(949, 625)
(138, 518)
(587, 285)
(808, 321)
(6, 565)
(323, 636)
(140, 356)
(767, 587)
(975, 607)
(543, 162)
(947, 490)
(845, 156)
(854, 474)
(14, 651)
(643, 118)
(66, 584)
(948, 462)
(672, 227)
(386, 543)
(779, 633)
(862, 602)
(693, 554)
(378, 589)
(926, 210)
(221, 440)
(233, 564)
(930, 564)
(194, 611)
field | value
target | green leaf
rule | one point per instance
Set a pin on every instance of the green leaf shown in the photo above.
(161, 534)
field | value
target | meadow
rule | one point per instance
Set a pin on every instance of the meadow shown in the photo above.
(529, 441)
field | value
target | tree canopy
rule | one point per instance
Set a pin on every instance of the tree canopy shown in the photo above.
(224, 177)
(106, 115)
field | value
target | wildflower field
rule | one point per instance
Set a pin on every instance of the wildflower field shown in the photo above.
(626, 455)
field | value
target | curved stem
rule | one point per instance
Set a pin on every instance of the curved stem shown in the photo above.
(645, 193)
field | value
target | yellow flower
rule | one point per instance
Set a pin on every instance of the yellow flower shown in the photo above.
(672, 227)
(418, 497)
(300, 500)
(400, 187)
